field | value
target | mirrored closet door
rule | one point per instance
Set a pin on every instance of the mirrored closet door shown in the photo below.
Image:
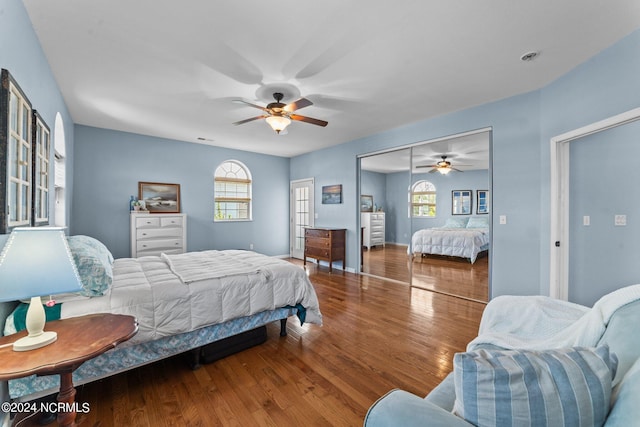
(384, 221)
(437, 186)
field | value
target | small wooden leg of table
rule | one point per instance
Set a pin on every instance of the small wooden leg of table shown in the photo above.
(67, 396)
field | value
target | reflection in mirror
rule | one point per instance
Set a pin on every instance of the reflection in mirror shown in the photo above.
(449, 244)
(408, 191)
(384, 179)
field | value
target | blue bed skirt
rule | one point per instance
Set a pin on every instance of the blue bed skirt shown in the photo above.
(123, 358)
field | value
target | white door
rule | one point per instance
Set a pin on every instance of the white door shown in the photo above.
(302, 214)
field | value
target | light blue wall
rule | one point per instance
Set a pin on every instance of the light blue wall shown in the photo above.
(605, 85)
(604, 182)
(374, 184)
(516, 134)
(397, 223)
(523, 125)
(399, 227)
(109, 165)
(21, 54)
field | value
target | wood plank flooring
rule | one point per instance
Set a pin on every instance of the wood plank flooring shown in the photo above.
(449, 275)
(377, 335)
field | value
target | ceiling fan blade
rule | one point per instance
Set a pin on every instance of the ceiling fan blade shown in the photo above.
(426, 166)
(457, 170)
(296, 105)
(305, 119)
(432, 170)
(249, 120)
(242, 101)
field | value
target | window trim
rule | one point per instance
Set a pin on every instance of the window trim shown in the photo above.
(412, 193)
(248, 181)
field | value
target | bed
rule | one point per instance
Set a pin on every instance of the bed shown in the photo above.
(182, 302)
(459, 237)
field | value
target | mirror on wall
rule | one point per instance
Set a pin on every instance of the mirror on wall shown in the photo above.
(425, 200)
(384, 180)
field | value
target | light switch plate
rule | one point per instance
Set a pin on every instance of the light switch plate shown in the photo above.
(620, 220)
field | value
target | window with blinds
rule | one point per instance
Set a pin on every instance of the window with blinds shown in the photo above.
(232, 198)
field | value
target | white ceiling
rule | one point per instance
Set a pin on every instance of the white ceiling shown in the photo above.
(465, 152)
(171, 69)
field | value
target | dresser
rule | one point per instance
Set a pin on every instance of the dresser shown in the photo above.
(153, 234)
(325, 244)
(373, 228)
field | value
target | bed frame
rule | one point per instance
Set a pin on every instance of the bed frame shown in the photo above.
(124, 357)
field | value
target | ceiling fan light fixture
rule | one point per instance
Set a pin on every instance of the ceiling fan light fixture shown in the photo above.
(278, 123)
(444, 170)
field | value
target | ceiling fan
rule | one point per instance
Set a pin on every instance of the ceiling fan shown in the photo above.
(443, 166)
(279, 115)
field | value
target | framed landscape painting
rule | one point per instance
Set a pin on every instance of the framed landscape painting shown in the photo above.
(366, 203)
(159, 197)
(332, 194)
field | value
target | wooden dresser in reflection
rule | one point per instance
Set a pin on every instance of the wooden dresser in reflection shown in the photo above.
(325, 244)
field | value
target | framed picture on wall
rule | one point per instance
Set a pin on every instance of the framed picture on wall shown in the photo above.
(461, 202)
(332, 194)
(159, 197)
(482, 201)
(366, 203)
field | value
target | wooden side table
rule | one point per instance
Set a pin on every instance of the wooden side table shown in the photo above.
(79, 339)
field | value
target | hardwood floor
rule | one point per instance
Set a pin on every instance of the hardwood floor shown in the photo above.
(377, 335)
(448, 275)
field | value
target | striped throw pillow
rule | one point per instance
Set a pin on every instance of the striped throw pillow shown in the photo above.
(562, 387)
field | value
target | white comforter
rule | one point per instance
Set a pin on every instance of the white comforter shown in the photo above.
(540, 322)
(459, 242)
(164, 305)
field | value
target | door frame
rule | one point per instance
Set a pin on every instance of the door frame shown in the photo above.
(292, 206)
(559, 198)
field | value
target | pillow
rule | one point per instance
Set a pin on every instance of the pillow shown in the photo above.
(562, 387)
(478, 222)
(93, 261)
(456, 222)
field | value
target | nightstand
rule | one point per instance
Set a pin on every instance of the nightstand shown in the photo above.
(79, 339)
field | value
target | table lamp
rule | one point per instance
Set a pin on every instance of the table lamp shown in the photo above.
(35, 262)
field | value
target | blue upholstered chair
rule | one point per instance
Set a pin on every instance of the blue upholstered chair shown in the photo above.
(620, 333)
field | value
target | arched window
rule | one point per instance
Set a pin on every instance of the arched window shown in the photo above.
(423, 200)
(232, 195)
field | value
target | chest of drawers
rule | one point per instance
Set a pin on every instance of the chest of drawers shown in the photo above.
(153, 234)
(325, 244)
(373, 229)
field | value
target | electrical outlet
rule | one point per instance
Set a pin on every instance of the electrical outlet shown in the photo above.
(503, 219)
(251, 246)
(620, 220)
(586, 220)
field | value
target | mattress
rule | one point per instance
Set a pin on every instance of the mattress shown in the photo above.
(458, 242)
(151, 289)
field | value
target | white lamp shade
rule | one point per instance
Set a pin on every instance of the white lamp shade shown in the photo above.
(36, 262)
(278, 123)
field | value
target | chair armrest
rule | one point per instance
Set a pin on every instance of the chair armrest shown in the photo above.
(444, 395)
(625, 410)
(401, 408)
